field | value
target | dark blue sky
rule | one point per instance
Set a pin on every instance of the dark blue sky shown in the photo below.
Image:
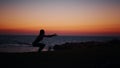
(94, 1)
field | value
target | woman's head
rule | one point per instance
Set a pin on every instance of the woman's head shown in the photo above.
(42, 32)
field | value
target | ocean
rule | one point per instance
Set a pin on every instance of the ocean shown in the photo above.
(25, 41)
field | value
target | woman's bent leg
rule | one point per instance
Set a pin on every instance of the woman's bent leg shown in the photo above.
(41, 46)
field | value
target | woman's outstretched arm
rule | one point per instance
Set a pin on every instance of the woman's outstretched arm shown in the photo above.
(50, 35)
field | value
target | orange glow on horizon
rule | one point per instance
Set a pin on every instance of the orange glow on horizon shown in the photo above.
(62, 18)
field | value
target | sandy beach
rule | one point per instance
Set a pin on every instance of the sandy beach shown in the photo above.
(95, 56)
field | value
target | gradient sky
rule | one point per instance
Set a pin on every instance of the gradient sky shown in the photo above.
(64, 17)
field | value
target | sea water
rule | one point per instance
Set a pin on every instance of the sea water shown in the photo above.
(26, 40)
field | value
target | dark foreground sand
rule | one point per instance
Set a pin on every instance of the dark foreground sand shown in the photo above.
(103, 55)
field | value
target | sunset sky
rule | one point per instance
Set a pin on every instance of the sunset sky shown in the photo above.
(64, 17)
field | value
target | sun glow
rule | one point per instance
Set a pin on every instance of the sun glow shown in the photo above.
(64, 18)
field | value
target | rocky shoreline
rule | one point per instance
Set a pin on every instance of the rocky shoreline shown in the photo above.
(90, 44)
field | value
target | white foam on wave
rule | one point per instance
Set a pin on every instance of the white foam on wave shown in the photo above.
(18, 49)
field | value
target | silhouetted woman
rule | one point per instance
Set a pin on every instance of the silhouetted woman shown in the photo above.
(36, 42)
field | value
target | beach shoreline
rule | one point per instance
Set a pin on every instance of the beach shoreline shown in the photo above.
(69, 55)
